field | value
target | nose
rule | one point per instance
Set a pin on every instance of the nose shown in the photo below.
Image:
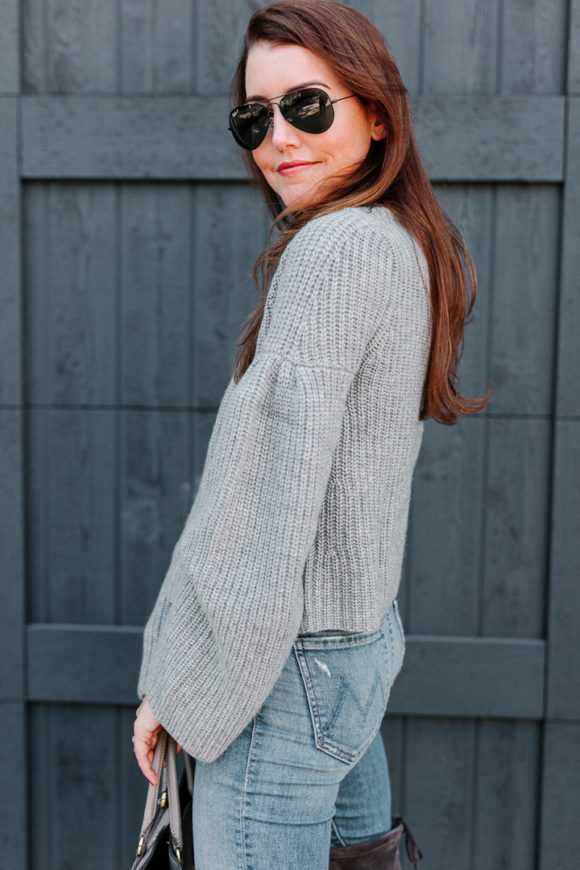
(283, 133)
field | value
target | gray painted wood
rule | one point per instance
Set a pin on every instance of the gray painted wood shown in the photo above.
(72, 293)
(72, 521)
(515, 548)
(14, 822)
(524, 313)
(10, 301)
(440, 809)
(9, 43)
(563, 684)
(533, 34)
(12, 549)
(74, 813)
(568, 383)
(573, 52)
(472, 28)
(484, 138)
(12, 466)
(157, 42)
(506, 780)
(560, 790)
(443, 592)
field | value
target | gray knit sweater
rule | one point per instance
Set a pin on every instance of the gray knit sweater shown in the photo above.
(300, 517)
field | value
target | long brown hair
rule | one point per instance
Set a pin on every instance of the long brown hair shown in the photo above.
(392, 174)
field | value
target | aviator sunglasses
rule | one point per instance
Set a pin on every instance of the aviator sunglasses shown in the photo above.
(307, 109)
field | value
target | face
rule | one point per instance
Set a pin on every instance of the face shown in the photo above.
(273, 70)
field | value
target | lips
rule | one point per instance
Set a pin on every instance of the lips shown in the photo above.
(294, 165)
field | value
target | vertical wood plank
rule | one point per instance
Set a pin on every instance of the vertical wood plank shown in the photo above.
(524, 298)
(445, 541)
(568, 385)
(72, 516)
(516, 529)
(74, 753)
(14, 761)
(441, 806)
(563, 695)
(560, 793)
(34, 46)
(471, 27)
(71, 319)
(9, 43)
(155, 241)
(157, 53)
(12, 611)
(81, 51)
(10, 301)
(506, 795)
(573, 50)
(532, 59)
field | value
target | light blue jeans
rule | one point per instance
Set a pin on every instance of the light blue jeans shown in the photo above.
(310, 770)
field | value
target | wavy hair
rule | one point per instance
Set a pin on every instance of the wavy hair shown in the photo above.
(392, 174)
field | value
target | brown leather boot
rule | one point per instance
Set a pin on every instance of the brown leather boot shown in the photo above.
(382, 853)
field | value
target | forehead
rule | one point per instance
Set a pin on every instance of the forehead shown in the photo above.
(273, 69)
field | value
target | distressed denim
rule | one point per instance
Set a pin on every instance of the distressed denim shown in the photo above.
(310, 770)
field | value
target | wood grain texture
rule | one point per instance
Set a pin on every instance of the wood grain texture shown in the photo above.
(472, 29)
(10, 277)
(71, 294)
(563, 685)
(155, 243)
(157, 46)
(442, 596)
(561, 788)
(74, 754)
(12, 609)
(525, 295)
(13, 763)
(460, 138)
(515, 554)
(573, 83)
(531, 59)
(72, 518)
(568, 383)
(9, 47)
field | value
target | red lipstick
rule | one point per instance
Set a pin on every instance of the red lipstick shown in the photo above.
(293, 166)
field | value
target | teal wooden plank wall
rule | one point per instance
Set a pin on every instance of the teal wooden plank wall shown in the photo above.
(127, 239)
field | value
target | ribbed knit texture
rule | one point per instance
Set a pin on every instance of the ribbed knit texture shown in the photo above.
(300, 518)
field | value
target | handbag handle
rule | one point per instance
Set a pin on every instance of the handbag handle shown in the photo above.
(165, 766)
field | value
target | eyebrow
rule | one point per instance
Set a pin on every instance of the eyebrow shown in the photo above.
(256, 98)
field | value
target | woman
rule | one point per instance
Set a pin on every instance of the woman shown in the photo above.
(276, 637)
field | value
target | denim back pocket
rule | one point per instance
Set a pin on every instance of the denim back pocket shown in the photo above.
(347, 681)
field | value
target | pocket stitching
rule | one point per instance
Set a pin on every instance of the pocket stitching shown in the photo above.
(329, 746)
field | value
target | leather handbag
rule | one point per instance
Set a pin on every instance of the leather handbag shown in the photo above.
(166, 838)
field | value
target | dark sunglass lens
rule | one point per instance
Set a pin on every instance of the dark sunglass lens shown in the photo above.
(249, 125)
(309, 110)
